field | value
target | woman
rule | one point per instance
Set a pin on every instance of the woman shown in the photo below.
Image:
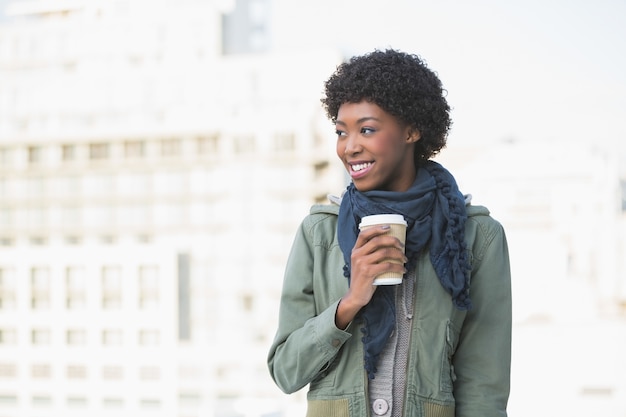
(437, 345)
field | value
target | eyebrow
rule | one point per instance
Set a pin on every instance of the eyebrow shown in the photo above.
(361, 120)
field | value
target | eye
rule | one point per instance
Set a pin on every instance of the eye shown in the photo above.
(367, 130)
(340, 132)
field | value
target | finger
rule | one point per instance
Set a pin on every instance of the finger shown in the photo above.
(389, 254)
(382, 260)
(372, 232)
(381, 242)
(367, 278)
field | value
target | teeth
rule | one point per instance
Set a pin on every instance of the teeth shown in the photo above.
(358, 167)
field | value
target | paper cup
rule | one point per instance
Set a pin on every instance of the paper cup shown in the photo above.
(397, 229)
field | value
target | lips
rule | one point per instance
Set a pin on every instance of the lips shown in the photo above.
(359, 169)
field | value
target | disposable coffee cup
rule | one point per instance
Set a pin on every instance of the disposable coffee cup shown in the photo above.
(397, 229)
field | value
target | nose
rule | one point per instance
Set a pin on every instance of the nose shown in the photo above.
(352, 145)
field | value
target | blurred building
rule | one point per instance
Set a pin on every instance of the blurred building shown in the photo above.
(150, 187)
(561, 206)
(156, 158)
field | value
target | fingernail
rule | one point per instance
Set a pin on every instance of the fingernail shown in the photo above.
(385, 227)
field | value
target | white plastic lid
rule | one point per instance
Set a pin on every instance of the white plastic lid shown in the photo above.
(382, 219)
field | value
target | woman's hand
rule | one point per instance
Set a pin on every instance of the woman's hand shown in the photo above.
(373, 254)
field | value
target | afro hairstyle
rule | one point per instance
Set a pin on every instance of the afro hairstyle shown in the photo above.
(402, 85)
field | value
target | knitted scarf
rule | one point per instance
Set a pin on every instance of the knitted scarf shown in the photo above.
(434, 209)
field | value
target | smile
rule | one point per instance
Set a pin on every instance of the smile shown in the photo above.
(360, 170)
(360, 167)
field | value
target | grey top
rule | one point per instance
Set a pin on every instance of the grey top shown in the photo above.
(386, 390)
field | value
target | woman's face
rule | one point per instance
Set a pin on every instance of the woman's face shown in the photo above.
(375, 148)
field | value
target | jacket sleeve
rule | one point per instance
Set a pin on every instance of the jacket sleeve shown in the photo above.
(306, 341)
(482, 360)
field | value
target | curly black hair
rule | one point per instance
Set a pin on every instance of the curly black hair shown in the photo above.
(403, 86)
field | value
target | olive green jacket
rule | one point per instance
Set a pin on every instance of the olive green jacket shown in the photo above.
(459, 362)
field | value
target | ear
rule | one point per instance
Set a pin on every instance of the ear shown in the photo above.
(413, 135)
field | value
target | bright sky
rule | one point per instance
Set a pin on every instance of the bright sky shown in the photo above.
(531, 70)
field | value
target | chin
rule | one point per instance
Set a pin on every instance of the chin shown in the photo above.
(364, 187)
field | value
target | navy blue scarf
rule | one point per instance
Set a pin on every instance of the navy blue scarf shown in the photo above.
(434, 209)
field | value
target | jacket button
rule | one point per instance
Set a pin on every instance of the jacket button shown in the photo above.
(380, 407)
(336, 342)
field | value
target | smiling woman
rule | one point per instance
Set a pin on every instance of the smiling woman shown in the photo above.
(439, 343)
(376, 149)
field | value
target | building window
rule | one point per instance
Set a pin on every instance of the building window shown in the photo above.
(148, 287)
(99, 184)
(98, 151)
(7, 216)
(170, 214)
(244, 144)
(76, 337)
(149, 373)
(76, 372)
(112, 337)
(134, 149)
(7, 289)
(40, 337)
(70, 215)
(6, 157)
(112, 373)
(35, 217)
(189, 399)
(144, 239)
(184, 296)
(68, 153)
(170, 182)
(111, 288)
(135, 183)
(69, 185)
(171, 147)
(133, 214)
(207, 145)
(40, 371)
(75, 285)
(40, 288)
(107, 240)
(149, 337)
(284, 141)
(190, 373)
(623, 184)
(35, 186)
(320, 169)
(99, 215)
(8, 399)
(150, 403)
(37, 240)
(41, 401)
(34, 155)
(8, 370)
(76, 402)
(247, 302)
(72, 240)
(113, 403)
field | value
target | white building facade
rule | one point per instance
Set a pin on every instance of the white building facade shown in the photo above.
(560, 204)
(149, 192)
(150, 188)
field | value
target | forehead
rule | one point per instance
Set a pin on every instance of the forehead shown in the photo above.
(363, 109)
(366, 111)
